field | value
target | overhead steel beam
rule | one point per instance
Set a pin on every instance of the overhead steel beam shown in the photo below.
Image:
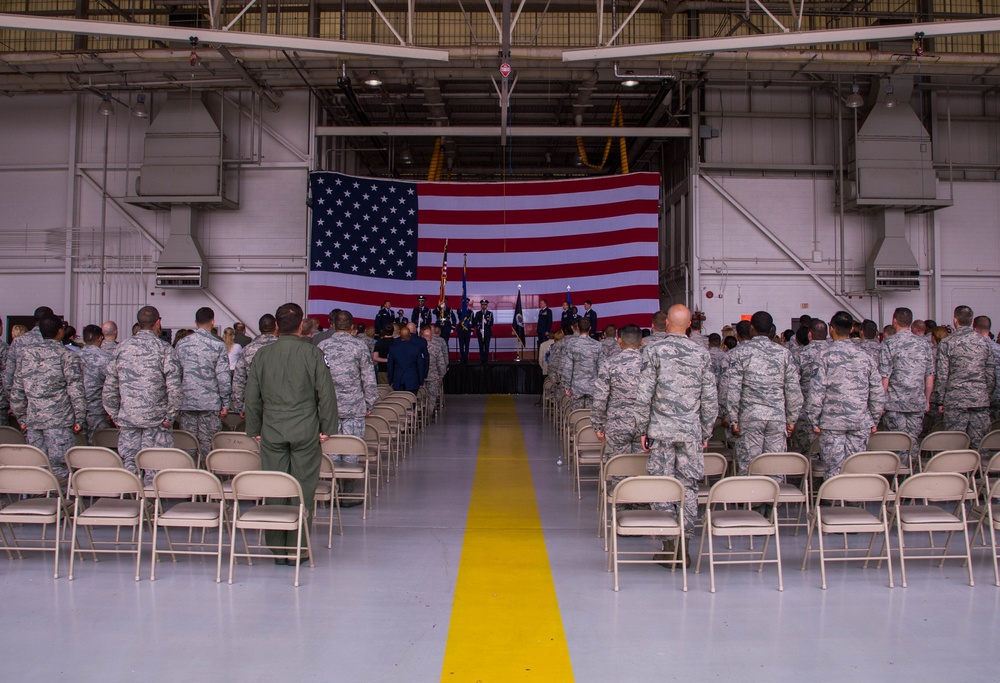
(772, 40)
(494, 131)
(213, 37)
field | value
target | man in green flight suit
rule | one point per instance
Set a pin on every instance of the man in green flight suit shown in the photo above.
(291, 407)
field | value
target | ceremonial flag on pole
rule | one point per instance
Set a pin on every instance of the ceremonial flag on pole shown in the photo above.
(518, 324)
(465, 292)
(378, 239)
(569, 297)
(444, 274)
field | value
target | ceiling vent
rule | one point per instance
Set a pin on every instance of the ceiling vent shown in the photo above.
(891, 267)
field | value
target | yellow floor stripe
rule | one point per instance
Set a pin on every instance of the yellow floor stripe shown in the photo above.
(505, 621)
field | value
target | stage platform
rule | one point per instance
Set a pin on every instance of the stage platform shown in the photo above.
(497, 377)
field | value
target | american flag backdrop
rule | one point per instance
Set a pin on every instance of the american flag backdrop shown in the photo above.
(376, 239)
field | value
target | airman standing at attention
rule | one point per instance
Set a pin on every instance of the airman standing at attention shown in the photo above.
(205, 380)
(612, 413)
(47, 395)
(142, 391)
(906, 365)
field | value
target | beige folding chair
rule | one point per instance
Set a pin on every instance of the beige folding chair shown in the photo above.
(269, 517)
(885, 463)
(850, 519)
(408, 415)
(23, 455)
(342, 444)
(574, 421)
(109, 486)
(383, 390)
(658, 523)
(897, 442)
(10, 435)
(935, 442)
(719, 441)
(965, 462)
(188, 442)
(150, 460)
(378, 436)
(990, 516)
(391, 415)
(716, 466)
(232, 422)
(106, 438)
(79, 457)
(326, 492)
(989, 474)
(787, 465)
(189, 514)
(588, 451)
(226, 463)
(238, 440)
(617, 467)
(921, 516)
(43, 505)
(747, 491)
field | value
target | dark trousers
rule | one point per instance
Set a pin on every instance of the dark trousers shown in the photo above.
(484, 347)
(300, 458)
(463, 345)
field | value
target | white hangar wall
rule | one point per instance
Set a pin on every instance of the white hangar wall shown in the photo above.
(764, 224)
(51, 178)
(772, 166)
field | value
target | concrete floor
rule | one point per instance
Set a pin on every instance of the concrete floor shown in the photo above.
(377, 606)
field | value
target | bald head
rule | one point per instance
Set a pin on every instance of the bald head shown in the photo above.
(110, 330)
(678, 319)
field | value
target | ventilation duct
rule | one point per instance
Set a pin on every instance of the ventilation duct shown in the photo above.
(182, 264)
(891, 265)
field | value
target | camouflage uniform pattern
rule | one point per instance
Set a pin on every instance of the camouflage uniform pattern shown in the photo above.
(716, 355)
(965, 381)
(95, 367)
(807, 362)
(995, 398)
(613, 409)
(579, 368)
(243, 368)
(434, 388)
(30, 338)
(676, 404)
(353, 377)
(610, 348)
(47, 396)
(142, 394)
(763, 396)
(906, 361)
(4, 389)
(845, 400)
(206, 385)
(555, 363)
(873, 347)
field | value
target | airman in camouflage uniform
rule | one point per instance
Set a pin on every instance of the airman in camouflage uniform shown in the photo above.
(764, 398)
(609, 343)
(555, 359)
(438, 365)
(869, 332)
(658, 333)
(142, 391)
(716, 354)
(205, 381)
(353, 379)
(966, 378)
(907, 368)
(612, 413)
(47, 395)
(726, 372)
(95, 367)
(807, 361)
(676, 404)
(845, 397)
(267, 327)
(29, 338)
(4, 391)
(579, 366)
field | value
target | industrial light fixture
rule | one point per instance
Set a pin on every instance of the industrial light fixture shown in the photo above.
(373, 80)
(630, 80)
(106, 108)
(406, 156)
(854, 100)
(141, 109)
(890, 100)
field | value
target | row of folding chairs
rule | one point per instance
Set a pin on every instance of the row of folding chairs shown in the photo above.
(746, 506)
(188, 498)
